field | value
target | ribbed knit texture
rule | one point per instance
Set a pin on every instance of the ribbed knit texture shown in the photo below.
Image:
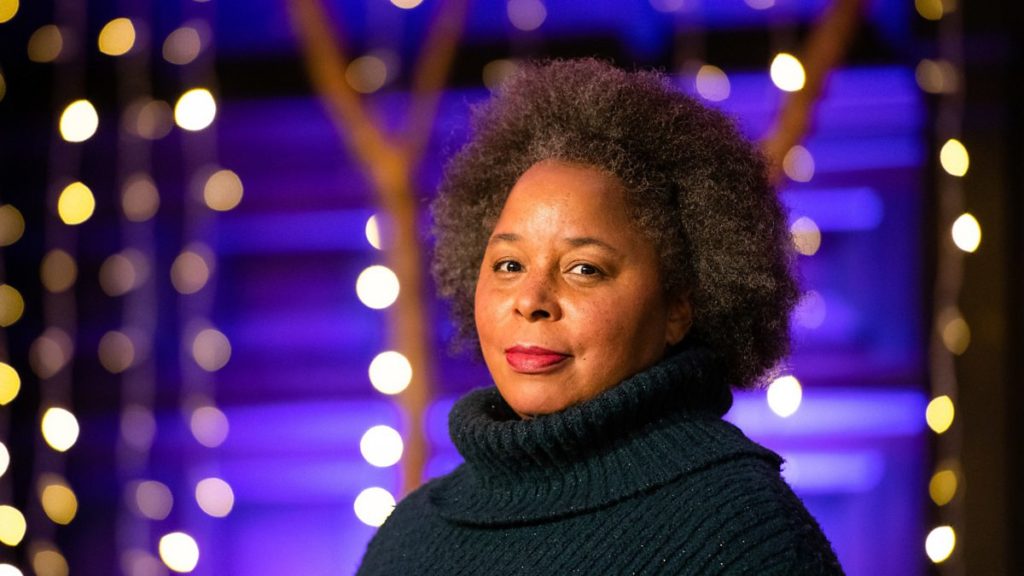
(646, 478)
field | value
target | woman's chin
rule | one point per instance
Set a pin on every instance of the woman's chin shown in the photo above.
(531, 403)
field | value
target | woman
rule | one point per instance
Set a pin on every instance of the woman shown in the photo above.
(617, 252)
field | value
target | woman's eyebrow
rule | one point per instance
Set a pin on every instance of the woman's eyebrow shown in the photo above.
(504, 237)
(581, 241)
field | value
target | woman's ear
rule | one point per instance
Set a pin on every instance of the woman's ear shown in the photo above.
(680, 318)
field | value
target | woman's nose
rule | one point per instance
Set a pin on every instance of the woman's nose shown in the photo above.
(537, 298)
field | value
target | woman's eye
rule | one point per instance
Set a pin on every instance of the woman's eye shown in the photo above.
(584, 269)
(508, 266)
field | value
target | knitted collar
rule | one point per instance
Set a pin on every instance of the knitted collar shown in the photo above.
(649, 430)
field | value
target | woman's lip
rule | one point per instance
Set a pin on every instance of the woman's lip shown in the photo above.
(533, 359)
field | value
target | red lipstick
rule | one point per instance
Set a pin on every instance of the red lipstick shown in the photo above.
(533, 359)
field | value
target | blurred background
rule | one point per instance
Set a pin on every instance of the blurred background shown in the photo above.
(220, 352)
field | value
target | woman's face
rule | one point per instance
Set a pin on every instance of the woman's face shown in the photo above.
(569, 300)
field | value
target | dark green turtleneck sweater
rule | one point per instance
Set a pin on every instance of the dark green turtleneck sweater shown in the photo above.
(646, 478)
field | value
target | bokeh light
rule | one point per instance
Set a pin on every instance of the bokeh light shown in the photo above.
(929, 9)
(5, 459)
(117, 37)
(10, 383)
(79, 121)
(10, 570)
(209, 426)
(381, 446)
(215, 497)
(811, 311)
(712, 83)
(12, 305)
(954, 330)
(526, 15)
(191, 269)
(942, 487)
(12, 525)
(47, 560)
(139, 198)
(940, 413)
(496, 71)
(954, 157)
(377, 287)
(8, 9)
(966, 232)
(179, 551)
(195, 110)
(373, 232)
(798, 164)
(406, 4)
(211, 349)
(116, 351)
(135, 562)
(50, 352)
(937, 76)
(123, 272)
(60, 429)
(58, 499)
(940, 543)
(784, 396)
(668, 6)
(787, 72)
(149, 119)
(760, 4)
(806, 236)
(45, 44)
(58, 271)
(374, 505)
(12, 225)
(138, 427)
(75, 204)
(367, 74)
(150, 499)
(223, 190)
(182, 46)
(390, 372)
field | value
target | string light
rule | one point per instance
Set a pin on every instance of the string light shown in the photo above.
(9, 570)
(195, 110)
(139, 198)
(8, 9)
(58, 271)
(179, 551)
(806, 236)
(79, 121)
(406, 4)
(942, 487)
(966, 232)
(373, 232)
(209, 426)
(940, 543)
(712, 83)
(50, 352)
(60, 429)
(191, 269)
(10, 383)
(390, 372)
(526, 15)
(367, 74)
(939, 414)
(58, 499)
(75, 204)
(211, 349)
(47, 560)
(954, 158)
(182, 46)
(5, 459)
(117, 37)
(151, 499)
(373, 506)
(377, 287)
(784, 396)
(215, 497)
(787, 72)
(929, 9)
(12, 305)
(12, 525)
(381, 446)
(45, 44)
(223, 191)
(798, 164)
(495, 72)
(12, 225)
